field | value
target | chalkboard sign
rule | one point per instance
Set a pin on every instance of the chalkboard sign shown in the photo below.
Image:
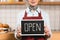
(32, 27)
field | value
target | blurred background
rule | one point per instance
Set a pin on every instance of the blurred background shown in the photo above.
(8, 14)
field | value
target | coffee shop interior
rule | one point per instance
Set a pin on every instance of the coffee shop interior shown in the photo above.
(10, 8)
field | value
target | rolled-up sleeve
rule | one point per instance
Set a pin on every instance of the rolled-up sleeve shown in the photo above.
(46, 21)
(18, 23)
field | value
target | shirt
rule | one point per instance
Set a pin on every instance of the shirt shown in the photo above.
(44, 15)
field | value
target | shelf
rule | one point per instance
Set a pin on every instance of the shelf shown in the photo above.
(49, 3)
(22, 3)
(11, 3)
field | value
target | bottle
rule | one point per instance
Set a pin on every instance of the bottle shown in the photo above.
(3, 0)
(55, 0)
(45, 0)
(20, 0)
(11, 0)
(16, 0)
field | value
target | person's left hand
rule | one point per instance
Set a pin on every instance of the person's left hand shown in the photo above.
(47, 32)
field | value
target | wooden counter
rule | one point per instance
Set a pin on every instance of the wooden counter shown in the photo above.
(10, 36)
(7, 36)
(55, 35)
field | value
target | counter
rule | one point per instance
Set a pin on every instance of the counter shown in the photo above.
(7, 36)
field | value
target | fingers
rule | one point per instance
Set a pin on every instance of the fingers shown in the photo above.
(18, 31)
(47, 33)
(46, 30)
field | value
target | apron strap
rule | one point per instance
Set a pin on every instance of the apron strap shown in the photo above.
(25, 15)
(39, 16)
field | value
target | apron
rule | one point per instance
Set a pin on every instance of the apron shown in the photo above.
(32, 37)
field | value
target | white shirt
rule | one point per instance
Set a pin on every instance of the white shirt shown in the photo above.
(31, 13)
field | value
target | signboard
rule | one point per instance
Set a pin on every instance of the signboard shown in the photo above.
(32, 27)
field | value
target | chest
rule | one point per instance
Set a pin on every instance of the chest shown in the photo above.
(32, 16)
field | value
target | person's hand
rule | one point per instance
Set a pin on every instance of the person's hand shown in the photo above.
(18, 33)
(47, 32)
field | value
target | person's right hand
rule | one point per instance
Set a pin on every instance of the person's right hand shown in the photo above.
(18, 33)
